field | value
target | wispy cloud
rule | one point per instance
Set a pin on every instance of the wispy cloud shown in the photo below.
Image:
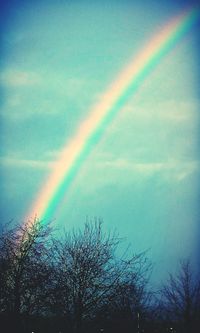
(170, 170)
(149, 166)
(30, 93)
(18, 78)
(132, 166)
(171, 110)
(25, 163)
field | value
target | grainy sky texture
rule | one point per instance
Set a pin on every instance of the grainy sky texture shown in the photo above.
(142, 176)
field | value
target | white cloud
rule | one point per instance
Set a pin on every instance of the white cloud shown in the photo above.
(174, 110)
(18, 78)
(52, 94)
(149, 167)
(128, 165)
(122, 170)
(167, 110)
(25, 163)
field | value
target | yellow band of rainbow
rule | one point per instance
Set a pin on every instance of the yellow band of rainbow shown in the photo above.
(124, 86)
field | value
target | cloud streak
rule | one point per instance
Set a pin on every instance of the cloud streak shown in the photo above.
(19, 78)
(171, 170)
(25, 163)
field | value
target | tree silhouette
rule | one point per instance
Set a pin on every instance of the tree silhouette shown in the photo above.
(78, 282)
(181, 298)
(24, 270)
(91, 276)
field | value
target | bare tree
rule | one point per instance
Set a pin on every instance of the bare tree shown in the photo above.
(131, 299)
(70, 279)
(181, 298)
(24, 269)
(90, 274)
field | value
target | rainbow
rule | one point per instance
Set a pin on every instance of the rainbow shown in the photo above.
(100, 116)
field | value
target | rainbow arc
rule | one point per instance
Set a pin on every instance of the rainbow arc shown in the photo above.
(101, 115)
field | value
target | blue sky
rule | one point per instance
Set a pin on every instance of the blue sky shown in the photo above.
(142, 178)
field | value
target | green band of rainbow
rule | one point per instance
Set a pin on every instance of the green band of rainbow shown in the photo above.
(90, 131)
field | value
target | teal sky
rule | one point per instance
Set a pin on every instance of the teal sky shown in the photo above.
(142, 178)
